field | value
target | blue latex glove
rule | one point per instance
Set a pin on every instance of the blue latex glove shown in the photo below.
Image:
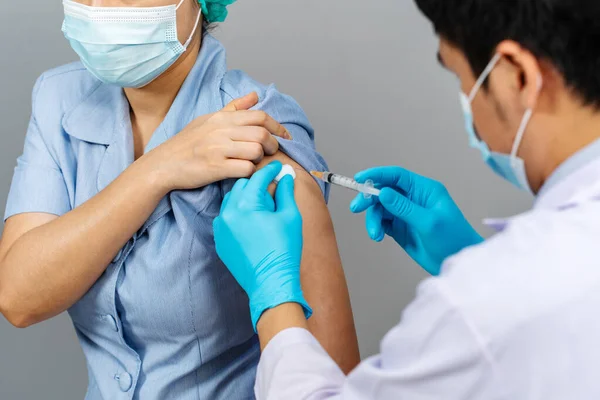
(418, 213)
(260, 240)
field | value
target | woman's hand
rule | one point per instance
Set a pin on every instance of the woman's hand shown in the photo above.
(40, 276)
(226, 144)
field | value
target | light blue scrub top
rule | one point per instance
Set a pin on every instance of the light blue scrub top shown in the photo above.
(166, 320)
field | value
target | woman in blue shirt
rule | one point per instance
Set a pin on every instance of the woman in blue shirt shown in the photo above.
(127, 158)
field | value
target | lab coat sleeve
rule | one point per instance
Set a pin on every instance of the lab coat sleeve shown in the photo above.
(295, 366)
(434, 353)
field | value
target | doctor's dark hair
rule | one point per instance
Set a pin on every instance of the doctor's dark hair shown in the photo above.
(565, 33)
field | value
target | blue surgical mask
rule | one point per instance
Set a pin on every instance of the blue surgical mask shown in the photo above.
(125, 46)
(508, 166)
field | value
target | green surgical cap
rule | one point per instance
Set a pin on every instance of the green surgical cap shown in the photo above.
(215, 10)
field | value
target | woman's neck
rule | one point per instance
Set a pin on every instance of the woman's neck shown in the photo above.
(152, 102)
(149, 105)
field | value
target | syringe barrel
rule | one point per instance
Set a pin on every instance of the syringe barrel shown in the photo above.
(328, 177)
(342, 181)
(350, 183)
(370, 190)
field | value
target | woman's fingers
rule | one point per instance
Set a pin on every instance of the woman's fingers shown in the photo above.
(262, 119)
(256, 134)
(250, 151)
(235, 169)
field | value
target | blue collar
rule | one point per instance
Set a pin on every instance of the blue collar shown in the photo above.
(574, 163)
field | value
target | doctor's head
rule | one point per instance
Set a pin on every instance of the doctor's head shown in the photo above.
(540, 98)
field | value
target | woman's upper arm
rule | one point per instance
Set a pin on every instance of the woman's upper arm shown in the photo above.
(38, 193)
(19, 225)
(323, 279)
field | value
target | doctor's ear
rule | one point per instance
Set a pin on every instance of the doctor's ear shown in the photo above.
(522, 71)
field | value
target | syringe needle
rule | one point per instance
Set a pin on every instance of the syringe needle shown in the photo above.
(317, 174)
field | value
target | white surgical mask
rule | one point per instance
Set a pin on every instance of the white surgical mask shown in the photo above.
(508, 166)
(125, 46)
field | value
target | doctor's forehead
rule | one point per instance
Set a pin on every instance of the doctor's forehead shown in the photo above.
(450, 57)
(128, 3)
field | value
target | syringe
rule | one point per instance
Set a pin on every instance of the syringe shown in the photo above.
(367, 189)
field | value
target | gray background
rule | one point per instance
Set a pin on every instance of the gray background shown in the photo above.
(368, 79)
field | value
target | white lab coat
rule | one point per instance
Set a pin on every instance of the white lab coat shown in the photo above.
(517, 317)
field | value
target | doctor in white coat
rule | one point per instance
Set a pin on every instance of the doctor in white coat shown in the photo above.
(513, 317)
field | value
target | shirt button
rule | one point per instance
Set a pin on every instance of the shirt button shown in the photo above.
(124, 381)
(113, 322)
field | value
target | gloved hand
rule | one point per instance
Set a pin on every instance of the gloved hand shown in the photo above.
(418, 213)
(260, 241)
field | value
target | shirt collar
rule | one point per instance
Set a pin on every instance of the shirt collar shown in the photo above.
(104, 111)
(97, 117)
(574, 180)
(569, 177)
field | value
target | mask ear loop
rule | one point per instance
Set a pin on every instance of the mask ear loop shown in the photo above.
(193, 31)
(187, 43)
(523, 127)
(484, 75)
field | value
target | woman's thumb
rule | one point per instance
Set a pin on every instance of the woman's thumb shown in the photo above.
(242, 103)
